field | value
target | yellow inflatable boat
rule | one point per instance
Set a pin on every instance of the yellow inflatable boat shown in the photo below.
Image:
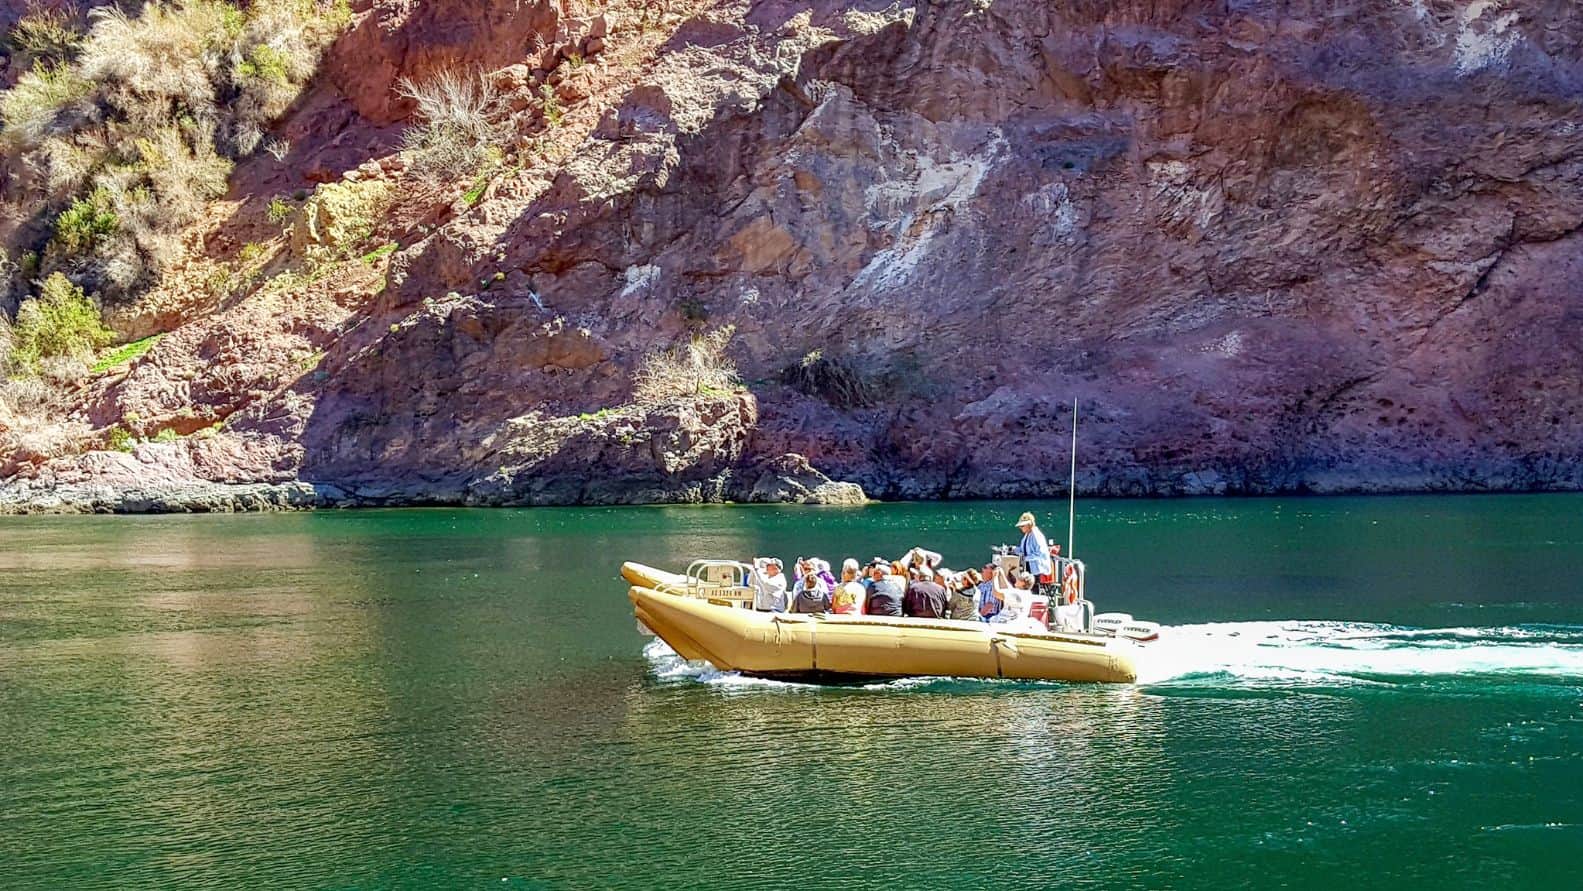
(701, 616)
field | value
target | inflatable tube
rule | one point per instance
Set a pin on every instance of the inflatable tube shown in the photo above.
(837, 647)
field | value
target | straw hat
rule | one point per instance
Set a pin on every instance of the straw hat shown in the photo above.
(1026, 519)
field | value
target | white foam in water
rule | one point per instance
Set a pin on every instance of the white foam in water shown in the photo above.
(1328, 652)
(668, 666)
(1292, 653)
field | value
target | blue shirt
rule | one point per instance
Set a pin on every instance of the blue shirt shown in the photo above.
(987, 604)
(1035, 552)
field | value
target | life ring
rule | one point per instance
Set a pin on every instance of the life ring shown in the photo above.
(1069, 585)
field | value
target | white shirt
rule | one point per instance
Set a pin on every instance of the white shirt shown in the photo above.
(769, 592)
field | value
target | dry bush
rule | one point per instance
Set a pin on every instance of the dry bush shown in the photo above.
(839, 381)
(30, 109)
(699, 367)
(25, 396)
(7, 340)
(458, 115)
(183, 169)
(61, 372)
(32, 438)
(10, 282)
(278, 53)
(168, 56)
(69, 161)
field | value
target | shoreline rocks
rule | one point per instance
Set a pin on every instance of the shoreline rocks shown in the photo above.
(789, 479)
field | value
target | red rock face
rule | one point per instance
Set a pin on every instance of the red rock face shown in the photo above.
(1283, 248)
(1275, 246)
(416, 38)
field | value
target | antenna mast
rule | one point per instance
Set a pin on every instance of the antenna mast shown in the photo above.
(1071, 489)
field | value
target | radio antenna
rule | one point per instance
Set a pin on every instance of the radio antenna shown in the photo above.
(1071, 490)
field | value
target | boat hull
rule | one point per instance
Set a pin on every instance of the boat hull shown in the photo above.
(856, 648)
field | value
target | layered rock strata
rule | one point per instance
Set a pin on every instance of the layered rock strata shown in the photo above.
(1272, 247)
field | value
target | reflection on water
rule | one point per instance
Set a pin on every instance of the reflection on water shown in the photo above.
(452, 698)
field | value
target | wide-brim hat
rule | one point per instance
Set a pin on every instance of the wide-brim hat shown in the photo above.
(1026, 519)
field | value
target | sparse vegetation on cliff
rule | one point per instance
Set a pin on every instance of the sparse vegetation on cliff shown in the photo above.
(125, 353)
(44, 34)
(457, 126)
(339, 219)
(837, 380)
(61, 323)
(696, 368)
(126, 131)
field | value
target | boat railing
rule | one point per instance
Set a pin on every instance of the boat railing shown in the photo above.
(717, 580)
(1008, 560)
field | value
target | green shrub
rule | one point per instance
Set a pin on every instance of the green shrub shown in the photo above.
(84, 223)
(265, 63)
(124, 353)
(168, 434)
(384, 250)
(476, 191)
(120, 439)
(279, 211)
(252, 253)
(48, 35)
(551, 106)
(60, 322)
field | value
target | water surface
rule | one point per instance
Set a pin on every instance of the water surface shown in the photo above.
(1355, 692)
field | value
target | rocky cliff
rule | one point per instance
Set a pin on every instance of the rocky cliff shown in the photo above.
(1266, 246)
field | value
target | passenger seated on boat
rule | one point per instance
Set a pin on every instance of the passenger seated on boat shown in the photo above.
(817, 566)
(1011, 596)
(989, 601)
(920, 557)
(869, 575)
(849, 596)
(826, 574)
(925, 598)
(1017, 603)
(811, 595)
(886, 592)
(963, 602)
(769, 586)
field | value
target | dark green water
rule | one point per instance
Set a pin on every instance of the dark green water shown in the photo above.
(1362, 692)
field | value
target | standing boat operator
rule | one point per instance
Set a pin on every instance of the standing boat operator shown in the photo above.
(1035, 553)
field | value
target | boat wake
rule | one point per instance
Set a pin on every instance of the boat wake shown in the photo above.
(1297, 653)
(1286, 654)
(668, 666)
